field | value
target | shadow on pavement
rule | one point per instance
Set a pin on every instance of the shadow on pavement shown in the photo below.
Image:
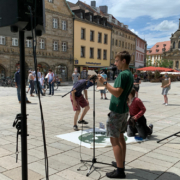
(173, 104)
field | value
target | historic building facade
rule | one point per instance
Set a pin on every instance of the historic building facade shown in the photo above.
(156, 52)
(174, 52)
(92, 38)
(140, 58)
(54, 48)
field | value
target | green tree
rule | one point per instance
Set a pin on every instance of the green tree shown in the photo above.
(165, 63)
(148, 63)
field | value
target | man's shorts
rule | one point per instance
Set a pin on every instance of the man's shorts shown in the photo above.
(81, 102)
(103, 91)
(116, 124)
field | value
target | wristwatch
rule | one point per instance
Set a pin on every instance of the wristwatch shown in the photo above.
(105, 83)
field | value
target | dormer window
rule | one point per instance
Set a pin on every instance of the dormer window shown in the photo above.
(82, 17)
(157, 46)
(149, 51)
(91, 18)
(104, 23)
(98, 21)
(163, 49)
(157, 50)
(164, 45)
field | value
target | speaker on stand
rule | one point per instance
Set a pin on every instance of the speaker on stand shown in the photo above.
(15, 21)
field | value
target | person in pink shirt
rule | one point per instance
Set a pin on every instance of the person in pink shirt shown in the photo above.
(137, 122)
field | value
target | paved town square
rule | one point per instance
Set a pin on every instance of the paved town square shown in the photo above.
(148, 160)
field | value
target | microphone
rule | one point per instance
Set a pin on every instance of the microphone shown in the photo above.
(114, 68)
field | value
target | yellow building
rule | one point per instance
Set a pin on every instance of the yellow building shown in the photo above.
(92, 39)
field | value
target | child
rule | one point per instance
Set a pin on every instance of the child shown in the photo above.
(137, 121)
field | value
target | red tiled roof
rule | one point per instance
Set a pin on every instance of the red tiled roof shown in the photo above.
(160, 47)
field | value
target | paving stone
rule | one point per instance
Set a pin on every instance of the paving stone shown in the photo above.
(9, 162)
(15, 174)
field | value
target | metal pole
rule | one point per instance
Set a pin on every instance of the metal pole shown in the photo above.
(94, 156)
(23, 108)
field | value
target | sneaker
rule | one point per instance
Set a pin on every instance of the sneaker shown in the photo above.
(166, 104)
(75, 127)
(101, 97)
(106, 98)
(83, 122)
(28, 102)
(163, 103)
(115, 174)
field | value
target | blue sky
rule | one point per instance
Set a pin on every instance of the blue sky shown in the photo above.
(152, 20)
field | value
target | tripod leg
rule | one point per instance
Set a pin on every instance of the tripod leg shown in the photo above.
(90, 170)
(168, 137)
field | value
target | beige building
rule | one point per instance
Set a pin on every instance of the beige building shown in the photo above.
(54, 49)
(122, 39)
(174, 52)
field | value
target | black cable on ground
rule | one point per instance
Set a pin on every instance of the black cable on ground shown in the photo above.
(38, 88)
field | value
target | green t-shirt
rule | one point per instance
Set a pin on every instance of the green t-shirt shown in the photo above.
(125, 81)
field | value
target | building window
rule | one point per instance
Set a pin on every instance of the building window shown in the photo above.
(113, 42)
(104, 23)
(112, 57)
(179, 45)
(99, 54)
(99, 37)
(55, 23)
(131, 46)
(64, 26)
(105, 38)
(51, 1)
(29, 43)
(122, 44)
(119, 43)
(128, 46)
(116, 42)
(91, 35)
(82, 17)
(2, 40)
(174, 45)
(157, 50)
(98, 21)
(82, 33)
(14, 41)
(105, 54)
(91, 52)
(55, 46)
(82, 51)
(177, 64)
(42, 44)
(91, 18)
(64, 46)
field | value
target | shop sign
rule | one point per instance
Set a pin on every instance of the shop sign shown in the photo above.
(93, 63)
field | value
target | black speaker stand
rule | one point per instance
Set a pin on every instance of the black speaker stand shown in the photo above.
(94, 160)
(175, 134)
(23, 107)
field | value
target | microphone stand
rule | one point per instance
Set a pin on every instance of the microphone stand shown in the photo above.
(94, 160)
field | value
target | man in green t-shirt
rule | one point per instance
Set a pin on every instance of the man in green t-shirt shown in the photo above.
(117, 118)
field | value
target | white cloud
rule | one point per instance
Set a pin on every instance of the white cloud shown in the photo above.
(136, 32)
(136, 8)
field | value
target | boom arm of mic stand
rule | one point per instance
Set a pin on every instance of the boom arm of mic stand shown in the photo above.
(67, 93)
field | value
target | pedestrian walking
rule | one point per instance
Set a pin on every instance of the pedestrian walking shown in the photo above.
(103, 91)
(51, 80)
(31, 81)
(166, 85)
(137, 82)
(17, 77)
(42, 82)
(75, 76)
(35, 82)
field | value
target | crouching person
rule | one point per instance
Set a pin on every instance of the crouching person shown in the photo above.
(79, 101)
(137, 121)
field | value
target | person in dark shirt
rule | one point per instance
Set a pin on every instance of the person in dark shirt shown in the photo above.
(18, 85)
(78, 100)
(137, 82)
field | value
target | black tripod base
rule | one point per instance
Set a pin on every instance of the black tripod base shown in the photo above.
(176, 134)
(93, 162)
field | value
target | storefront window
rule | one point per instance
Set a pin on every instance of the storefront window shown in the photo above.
(61, 72)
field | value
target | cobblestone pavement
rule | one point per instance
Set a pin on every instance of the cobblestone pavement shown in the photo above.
(148, 160)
